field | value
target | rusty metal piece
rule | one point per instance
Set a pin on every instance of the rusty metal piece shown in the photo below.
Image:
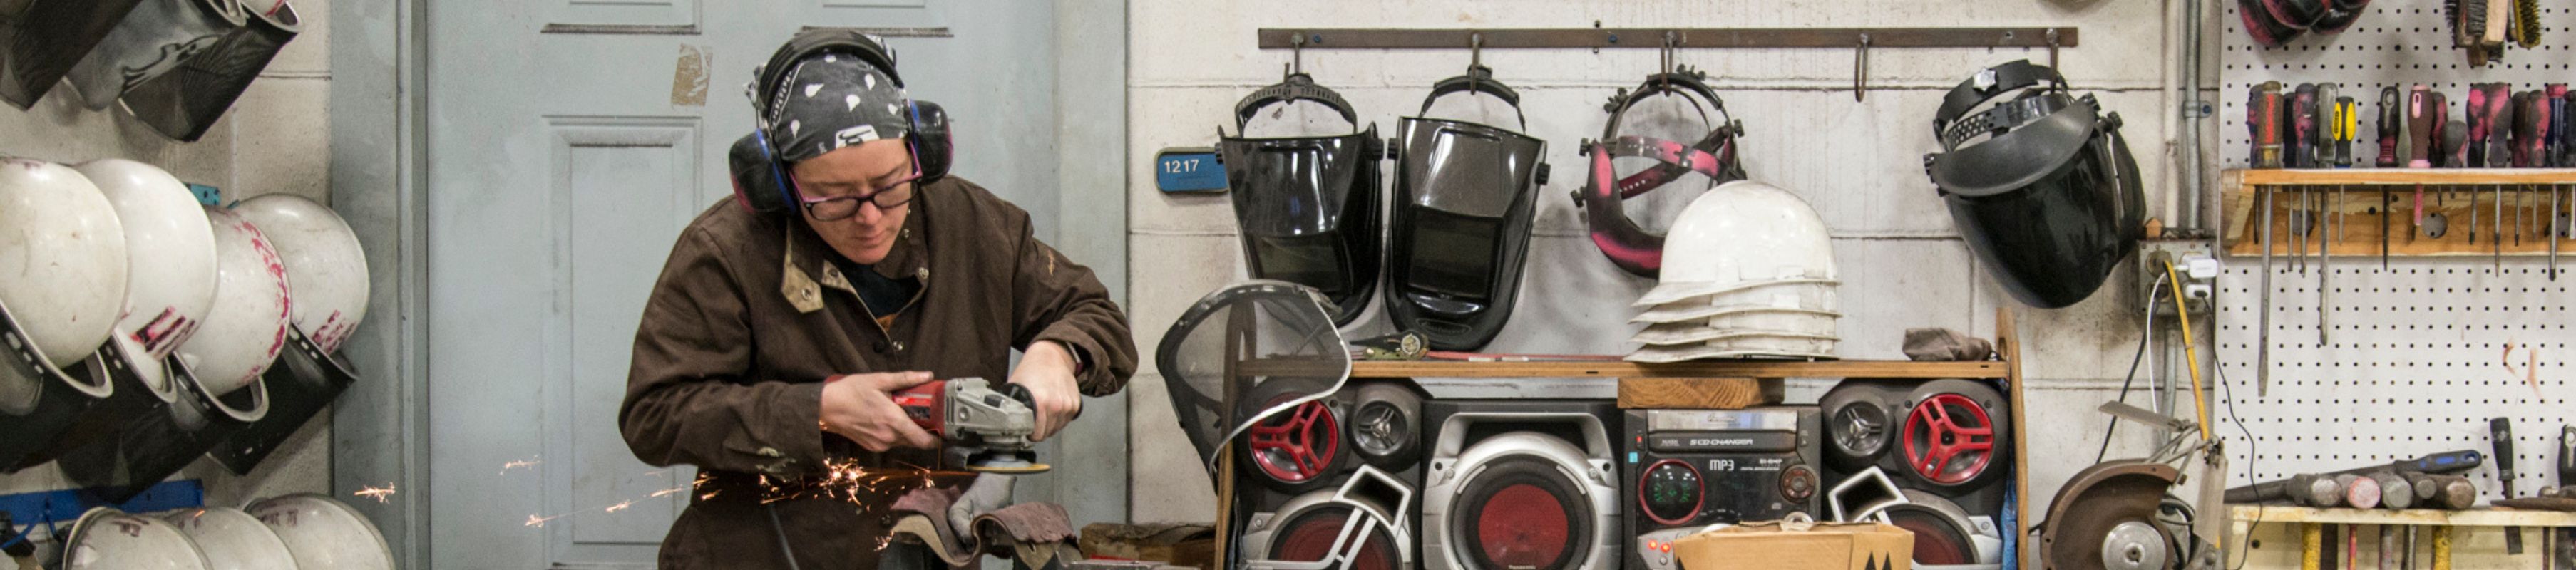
(2456, 493)
(2316, 491)
(2394, 491)
(2427, 489)
(2359, 492)
(2105, 501)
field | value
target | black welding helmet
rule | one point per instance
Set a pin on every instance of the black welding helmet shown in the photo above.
(2039, 181)
(1308, 205)
(1245, 353)
(1464, 197)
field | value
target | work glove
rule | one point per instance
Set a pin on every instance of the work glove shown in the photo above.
(989, 492)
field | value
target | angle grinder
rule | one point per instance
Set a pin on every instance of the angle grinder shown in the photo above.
(992, 426)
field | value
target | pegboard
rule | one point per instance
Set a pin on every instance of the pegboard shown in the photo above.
(2413, 362)
(2399, 43)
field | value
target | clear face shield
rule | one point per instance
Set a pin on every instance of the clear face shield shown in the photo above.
(1246, 353)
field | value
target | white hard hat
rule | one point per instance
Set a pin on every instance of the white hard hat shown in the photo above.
(322, 533)
(247, 326)
(172, 253)
(66, 258)
(323, 260)
(232, 539)
(108, 539)
(1748, 271)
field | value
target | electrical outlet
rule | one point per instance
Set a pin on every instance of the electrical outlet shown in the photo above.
(2193, 263)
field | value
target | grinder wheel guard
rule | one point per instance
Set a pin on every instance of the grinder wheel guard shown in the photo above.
(1246, 353)
(1628, 245)
(1308, 205)
(2040, 183)
(1465, 197)
(2105, 518)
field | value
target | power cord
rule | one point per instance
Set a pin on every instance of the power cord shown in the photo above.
(2113, 425)
(2251, 457)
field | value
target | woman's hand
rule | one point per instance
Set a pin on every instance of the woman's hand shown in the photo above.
(1046, 369)
(860, 407)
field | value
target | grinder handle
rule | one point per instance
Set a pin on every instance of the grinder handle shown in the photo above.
(1021, 393)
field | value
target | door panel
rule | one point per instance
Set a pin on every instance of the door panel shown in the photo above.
(622, 182)
(569, 141)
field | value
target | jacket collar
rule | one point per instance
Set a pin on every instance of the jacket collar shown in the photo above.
(808, 267)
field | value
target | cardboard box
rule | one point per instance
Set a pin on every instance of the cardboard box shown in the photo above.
(1191, 545)
(1798, 546)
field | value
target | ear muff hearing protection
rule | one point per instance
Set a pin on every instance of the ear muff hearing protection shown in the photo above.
(761, 182)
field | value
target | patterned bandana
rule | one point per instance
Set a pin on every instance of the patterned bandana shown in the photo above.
(830, 101)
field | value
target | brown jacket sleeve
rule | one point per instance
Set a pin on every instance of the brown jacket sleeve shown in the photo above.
(686, 398)
(1059, 300)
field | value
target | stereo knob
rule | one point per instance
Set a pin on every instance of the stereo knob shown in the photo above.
(1797, 483)
(1671, 492)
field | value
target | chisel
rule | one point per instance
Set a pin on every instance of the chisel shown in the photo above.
(2500, 432)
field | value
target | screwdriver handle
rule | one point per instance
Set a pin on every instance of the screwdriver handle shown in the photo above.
(2567, 455)
(2500, 432)
(2444, 462)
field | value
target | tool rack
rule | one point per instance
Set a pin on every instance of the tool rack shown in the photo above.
(2270, 536)
(2357, 349)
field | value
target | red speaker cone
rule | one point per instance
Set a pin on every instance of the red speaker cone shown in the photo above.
(1523, 513)
(1310, 538)
(1296, 446)
(1949, 439)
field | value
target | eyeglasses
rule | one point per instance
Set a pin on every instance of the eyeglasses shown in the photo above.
(887, 197)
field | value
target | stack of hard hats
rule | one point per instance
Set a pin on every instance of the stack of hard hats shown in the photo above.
(1748, 272)
(304, 531)
(142, 299)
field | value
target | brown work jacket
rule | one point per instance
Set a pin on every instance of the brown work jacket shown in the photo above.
(750, 316)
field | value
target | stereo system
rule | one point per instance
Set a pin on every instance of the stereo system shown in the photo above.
(1377, 476)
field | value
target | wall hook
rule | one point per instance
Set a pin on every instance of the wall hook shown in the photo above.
(1860, 70)
(2052, 49)
(1297, 54)
(1666, 77)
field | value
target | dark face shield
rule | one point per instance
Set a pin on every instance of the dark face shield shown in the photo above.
(1308, 205)
(1465, 197)
(2041, 185)
(1246, 352)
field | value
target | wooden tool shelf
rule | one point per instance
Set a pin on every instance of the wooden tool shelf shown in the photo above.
(1725, 369)
(2362, 198)
(2267, 514)
(2007, 347)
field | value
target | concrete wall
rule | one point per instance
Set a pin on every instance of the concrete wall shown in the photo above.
(1858, 163)
(275, 140)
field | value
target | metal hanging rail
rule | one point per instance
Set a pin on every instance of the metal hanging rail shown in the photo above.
(1653, 38)
(1860, 40)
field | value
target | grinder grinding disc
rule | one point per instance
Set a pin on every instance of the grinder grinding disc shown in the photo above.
(2105, 518)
